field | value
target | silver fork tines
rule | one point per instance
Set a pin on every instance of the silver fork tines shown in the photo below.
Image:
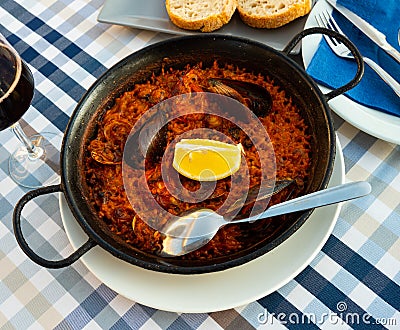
(325, 19)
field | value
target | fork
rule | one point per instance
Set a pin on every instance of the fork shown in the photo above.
(325, 19)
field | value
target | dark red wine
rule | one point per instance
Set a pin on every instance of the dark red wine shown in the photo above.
(17, 102)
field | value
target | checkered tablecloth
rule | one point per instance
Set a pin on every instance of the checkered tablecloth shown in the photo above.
(356, 273)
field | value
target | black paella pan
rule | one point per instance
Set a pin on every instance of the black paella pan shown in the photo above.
(177, 53)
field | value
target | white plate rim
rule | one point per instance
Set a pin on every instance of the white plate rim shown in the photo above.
(212, 292)
(378, 124)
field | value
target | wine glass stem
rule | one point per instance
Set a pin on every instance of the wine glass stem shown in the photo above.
(34, 152)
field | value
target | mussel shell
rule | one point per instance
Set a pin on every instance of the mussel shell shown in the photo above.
(254, 96)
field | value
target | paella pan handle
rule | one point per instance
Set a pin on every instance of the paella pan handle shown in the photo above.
(24, 244)
(353, 49)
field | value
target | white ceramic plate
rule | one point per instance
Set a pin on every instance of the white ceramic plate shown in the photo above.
(152, 15)
(214, 291)
(375, 123)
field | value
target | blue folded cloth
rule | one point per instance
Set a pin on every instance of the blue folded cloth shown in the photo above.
(330, 70)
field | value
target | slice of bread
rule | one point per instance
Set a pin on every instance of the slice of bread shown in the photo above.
(272, 13)
(203, 15)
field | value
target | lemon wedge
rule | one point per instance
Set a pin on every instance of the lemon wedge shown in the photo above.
(206, 160)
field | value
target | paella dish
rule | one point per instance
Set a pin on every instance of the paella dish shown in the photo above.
(288, 134)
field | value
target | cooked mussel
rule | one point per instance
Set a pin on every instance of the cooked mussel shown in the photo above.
(104, 153)
(254, 96)
(256, 194)
(147, 141)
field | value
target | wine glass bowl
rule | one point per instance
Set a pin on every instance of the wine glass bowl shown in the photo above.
(36, 162)
(16, 86)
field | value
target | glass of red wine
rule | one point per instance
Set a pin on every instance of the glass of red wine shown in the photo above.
(36, 162)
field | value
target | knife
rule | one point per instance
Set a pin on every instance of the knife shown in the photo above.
(371, 32)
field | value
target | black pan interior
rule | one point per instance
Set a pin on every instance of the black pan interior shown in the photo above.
(177, 53)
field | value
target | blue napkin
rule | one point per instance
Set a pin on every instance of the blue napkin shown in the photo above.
(330, 70)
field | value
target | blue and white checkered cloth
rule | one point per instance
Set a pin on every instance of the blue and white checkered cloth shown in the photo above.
(354, 281)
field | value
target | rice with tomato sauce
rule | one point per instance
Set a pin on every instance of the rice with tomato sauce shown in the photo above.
(284, 124)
